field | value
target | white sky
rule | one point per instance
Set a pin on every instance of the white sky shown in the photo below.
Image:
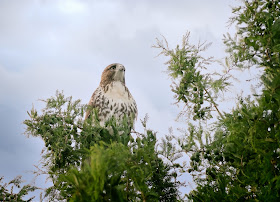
(47, 45)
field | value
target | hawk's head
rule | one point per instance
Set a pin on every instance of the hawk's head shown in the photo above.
(113, 72)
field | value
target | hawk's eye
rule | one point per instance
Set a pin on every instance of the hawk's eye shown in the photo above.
(113, 67)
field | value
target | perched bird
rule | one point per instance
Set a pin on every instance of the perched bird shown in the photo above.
(112, 97)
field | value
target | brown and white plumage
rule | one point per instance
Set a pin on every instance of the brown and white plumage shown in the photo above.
(112, 97)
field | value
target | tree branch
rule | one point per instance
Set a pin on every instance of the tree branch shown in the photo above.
(213, 102)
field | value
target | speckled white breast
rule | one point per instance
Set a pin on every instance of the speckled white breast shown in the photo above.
(118, 102)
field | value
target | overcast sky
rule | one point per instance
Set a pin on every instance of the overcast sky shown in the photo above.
(47, 45)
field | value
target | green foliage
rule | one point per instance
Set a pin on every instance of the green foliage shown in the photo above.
(101, 176)
(59, 127)
(192, 84)
(7, 190)
(258, 40)
(198, 89)
(237, 158)
(87, 162)
(113, 172)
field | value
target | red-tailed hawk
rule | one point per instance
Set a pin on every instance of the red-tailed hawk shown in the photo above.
(112, 97)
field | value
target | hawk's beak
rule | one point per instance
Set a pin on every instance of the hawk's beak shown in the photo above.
(120, 74)
(122, 68)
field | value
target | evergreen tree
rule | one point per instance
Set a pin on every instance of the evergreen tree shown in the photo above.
(238, 157)
(14, 191)
(87, 162)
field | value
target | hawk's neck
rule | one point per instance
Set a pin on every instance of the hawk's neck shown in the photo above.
(117, 90)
